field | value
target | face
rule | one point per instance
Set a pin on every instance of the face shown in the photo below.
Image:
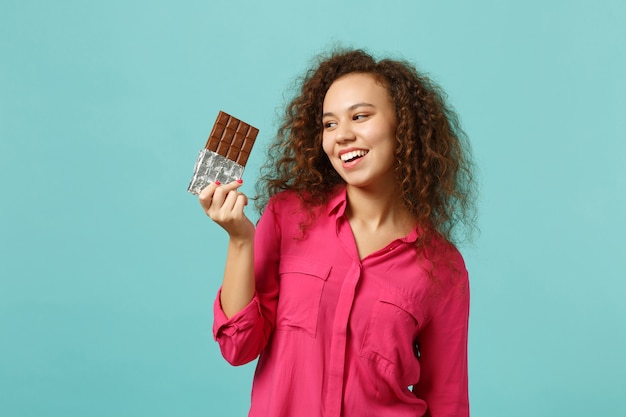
(359, 131)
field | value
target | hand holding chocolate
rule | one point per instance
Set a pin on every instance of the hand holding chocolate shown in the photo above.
(225, 153)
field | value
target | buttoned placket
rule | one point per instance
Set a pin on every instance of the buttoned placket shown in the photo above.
(335, 388)
(334, 394)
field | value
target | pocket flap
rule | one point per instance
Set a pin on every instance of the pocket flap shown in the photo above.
(299, 265)
(406, 302)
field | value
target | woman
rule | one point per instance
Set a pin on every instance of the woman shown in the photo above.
(349, 289)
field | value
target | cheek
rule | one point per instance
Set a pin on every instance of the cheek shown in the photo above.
(327, 145)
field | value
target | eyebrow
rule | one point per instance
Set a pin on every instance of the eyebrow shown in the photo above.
(353, 107)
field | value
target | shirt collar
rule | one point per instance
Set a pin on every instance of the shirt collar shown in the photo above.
(412, 236)
(337, 207)
(337, 203)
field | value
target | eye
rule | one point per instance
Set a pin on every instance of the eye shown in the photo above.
(328, 125)
(360, 116)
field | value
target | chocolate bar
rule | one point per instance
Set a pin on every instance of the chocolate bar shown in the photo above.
(225, 154)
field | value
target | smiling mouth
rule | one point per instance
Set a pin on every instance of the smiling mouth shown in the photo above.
(353, 156)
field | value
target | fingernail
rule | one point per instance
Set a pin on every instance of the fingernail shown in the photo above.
(240, 181)
(217, 182)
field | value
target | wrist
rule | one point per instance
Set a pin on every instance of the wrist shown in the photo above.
(241, 242)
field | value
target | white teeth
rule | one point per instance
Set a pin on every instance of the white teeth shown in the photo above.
(351, 155)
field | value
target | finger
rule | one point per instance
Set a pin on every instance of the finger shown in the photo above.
(241, 202)
(229, 201)
(206, 195)
(222, 191)
(226, 188)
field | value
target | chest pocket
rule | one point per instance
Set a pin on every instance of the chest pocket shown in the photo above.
(391, 331)
(301, 284)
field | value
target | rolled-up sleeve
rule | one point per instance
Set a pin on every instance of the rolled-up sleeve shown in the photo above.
(243, 336)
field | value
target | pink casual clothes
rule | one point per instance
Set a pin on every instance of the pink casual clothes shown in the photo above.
(340, 336)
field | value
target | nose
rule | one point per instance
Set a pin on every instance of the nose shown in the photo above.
(344, 133)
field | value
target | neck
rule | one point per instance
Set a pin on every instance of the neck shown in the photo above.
(378, 208)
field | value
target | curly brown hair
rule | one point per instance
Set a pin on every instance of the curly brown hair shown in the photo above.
(433, 169)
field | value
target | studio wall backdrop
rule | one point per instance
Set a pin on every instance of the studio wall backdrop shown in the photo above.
(109, 268)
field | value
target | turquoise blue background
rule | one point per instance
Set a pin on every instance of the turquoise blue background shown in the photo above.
(109, 268)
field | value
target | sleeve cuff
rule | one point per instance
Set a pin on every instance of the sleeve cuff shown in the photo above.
(242, 320)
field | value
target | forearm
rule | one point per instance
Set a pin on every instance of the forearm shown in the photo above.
(238, 286)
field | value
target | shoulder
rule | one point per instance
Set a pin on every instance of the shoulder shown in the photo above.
(285, 201)
(299, 204)
(287, 209)
(447, 265)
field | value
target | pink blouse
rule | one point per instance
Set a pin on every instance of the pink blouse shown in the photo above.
(341, 336)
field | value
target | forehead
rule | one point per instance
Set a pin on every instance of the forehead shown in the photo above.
(356, 87)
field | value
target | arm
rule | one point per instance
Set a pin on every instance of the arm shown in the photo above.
(238, 286)
(224, 204)
(443, 347)
(245, 308)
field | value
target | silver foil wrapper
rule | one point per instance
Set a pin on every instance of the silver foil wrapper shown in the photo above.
(210, 167)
